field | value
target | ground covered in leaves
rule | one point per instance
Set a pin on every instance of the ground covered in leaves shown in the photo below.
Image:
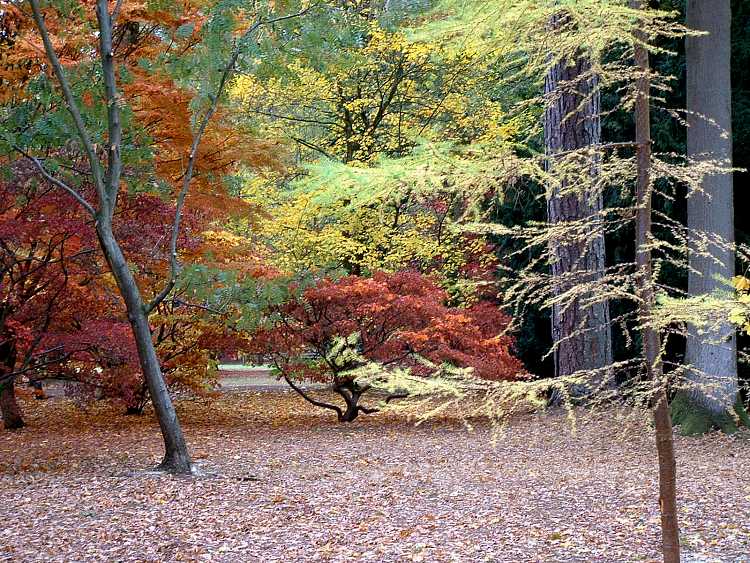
(285, 482)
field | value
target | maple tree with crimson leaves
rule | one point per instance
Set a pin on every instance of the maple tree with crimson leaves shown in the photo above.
(397, 319)
(60, 314)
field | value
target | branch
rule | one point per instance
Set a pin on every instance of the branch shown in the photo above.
(395, 396)
(309, 399)
(114, 126)
(174, 265)
(57, 67)
(59, 183)
(312, 147)
(198, 306)
(116, 12)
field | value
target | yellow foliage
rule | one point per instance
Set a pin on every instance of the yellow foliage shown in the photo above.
(740, 315)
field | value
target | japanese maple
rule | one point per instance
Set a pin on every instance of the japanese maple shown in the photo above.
(397, 319)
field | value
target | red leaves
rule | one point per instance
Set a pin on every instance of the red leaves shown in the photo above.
(396, 316)
(59, 306)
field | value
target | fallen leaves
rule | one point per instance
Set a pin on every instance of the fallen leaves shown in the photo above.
(285, 483)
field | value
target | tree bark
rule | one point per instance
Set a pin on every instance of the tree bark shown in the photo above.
(176, 457)
(12, 417)
(645, 289)
(581, 332)
(711, 357)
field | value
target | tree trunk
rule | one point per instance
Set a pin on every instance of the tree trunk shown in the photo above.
(711, 357)
(651, 338)
(351, 397)
(12, 417)
(176, 457)
(580, 332)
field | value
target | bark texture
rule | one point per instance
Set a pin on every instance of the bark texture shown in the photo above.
(670, 532)
(12, 417)
(712, 394)
(176, 457)
(580, 331)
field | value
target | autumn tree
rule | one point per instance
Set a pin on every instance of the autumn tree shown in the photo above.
(51, 265)
(330, 332)
(46, 266)
(653, 364)
(198, 32)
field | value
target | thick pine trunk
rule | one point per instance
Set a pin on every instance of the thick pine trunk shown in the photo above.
(710, 399)
(9, 408)
(670, 533)
(176, 458)
(581, 333)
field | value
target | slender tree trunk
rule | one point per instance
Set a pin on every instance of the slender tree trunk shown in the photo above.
(581, 333)
(651, 338)
(711, 357)
(12, 417)
(176, 457)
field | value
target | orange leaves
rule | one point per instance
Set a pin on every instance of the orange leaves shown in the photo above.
(16, 64)
(395, 317)
(163, 109)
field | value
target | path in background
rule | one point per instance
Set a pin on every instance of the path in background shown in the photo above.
(238, 377)
(232, 378)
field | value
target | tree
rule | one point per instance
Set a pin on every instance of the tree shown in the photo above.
(712, 390)
(107, 181)
(670, 534)
(322, 230)
(46, 268)
(580, 328)
(50, 266)
(331, 330)
(377, 93)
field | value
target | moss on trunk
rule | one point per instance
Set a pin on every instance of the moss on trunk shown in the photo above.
(695, 420)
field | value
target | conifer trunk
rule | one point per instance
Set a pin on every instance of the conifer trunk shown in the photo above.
(581, 334)
(651, 338)
(711, 357)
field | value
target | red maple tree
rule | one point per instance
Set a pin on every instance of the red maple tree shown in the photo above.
(397, 319)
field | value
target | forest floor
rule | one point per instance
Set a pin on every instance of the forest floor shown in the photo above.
(286, 482)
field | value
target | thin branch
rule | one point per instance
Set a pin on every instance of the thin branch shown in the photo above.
(116, 12)
(59, 183)
(174, 265)
(309, 399)
(57, 67)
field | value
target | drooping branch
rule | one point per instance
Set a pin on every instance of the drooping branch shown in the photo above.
(58, 183)
(312, 401)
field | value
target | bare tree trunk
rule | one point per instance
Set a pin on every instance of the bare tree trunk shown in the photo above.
(581, 332)
(12, 417)
(711, 357)
(651, 338)
(176, 457)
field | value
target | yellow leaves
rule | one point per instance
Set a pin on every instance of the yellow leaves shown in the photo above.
(224, 238)
(741, 283)
(740, 315)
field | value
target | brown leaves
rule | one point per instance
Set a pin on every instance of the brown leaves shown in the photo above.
(382, 490)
